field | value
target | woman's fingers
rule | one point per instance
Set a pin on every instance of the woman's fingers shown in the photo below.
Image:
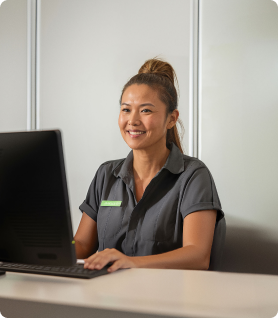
(116, 265)
(89, 260)
(99, 260)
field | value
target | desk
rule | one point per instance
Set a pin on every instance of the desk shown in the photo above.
(140, 293)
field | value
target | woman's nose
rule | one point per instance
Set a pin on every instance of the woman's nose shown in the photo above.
(134, 119)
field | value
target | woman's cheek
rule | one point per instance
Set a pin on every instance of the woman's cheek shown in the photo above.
(121, 122)
(155, 125)
(149, 122)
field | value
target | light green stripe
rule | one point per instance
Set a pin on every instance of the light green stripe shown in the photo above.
(111, 203)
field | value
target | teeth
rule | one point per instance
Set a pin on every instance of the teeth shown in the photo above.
(136, 132)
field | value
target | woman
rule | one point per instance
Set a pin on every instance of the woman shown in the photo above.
(139, 211)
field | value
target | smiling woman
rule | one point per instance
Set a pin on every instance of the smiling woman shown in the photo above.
(168, 209)
(154, 81)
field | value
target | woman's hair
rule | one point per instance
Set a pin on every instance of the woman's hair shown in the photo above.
(160, 76)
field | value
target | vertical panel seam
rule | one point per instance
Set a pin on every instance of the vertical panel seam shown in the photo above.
(199, 83)
(37, 64)
(32, 70)
(191, 80)
(194, 112)
(29, 64)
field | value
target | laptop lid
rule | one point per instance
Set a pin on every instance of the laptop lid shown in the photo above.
(35, 221)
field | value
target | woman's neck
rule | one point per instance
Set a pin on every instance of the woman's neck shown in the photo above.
(147, 162)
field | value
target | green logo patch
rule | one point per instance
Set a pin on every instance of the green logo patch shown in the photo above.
(111, 203)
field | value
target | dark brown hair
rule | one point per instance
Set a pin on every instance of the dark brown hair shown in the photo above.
(160, 76)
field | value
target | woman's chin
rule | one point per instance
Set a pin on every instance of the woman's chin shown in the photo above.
(136, 145)
(146, 144)
(140, 145)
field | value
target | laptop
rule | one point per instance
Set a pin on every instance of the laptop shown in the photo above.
(35, 222)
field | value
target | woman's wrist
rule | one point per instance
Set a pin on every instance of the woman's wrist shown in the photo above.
(148, 261)
(137, 261)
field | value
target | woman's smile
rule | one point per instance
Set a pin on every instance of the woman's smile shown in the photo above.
(135, 133)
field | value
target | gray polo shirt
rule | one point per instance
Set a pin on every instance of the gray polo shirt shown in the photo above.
(153, 225)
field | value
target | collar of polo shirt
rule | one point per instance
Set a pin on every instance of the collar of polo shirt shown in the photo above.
(174, 164)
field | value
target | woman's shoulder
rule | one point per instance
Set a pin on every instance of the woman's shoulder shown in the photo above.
(194, 167)
(193, 163)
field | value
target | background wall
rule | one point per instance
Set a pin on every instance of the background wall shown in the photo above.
(13, 65)
(88, 52)
(239, 116)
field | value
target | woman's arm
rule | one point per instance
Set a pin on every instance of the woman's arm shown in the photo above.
(86, 240)
(198, 231)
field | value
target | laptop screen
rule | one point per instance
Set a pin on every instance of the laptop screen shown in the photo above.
(35, 222)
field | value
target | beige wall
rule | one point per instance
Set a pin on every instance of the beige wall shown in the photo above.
(13, 65)
(88, 52)
(239, 116)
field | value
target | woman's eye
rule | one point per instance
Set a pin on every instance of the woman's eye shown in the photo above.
(146, 110)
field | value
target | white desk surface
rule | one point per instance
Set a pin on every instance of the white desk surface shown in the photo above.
(181, 293)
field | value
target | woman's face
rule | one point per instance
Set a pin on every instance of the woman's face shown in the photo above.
(143, 120)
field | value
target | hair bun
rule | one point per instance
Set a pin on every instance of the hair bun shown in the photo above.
(158, 67)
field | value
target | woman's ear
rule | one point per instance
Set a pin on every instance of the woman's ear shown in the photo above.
(173, 117)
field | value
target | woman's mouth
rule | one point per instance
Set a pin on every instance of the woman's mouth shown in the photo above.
(135, 133)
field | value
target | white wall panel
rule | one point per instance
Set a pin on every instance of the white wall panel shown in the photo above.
(89, 49)
(13, 65)
(239, 132)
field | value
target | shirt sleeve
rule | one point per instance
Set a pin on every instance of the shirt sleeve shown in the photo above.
(200, 194)
(91, 204)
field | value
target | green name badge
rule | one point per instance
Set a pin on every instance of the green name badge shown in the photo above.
(111, 203)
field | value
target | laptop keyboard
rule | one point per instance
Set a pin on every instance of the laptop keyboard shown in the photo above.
(76, 271)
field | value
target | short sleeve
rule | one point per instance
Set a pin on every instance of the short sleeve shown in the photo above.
(200, 194)
(91, 204)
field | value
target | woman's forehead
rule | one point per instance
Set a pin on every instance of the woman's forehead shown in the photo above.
(138, 93)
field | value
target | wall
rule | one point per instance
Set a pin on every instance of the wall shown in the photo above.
(239, 134)
(13, 65)
(88, 52)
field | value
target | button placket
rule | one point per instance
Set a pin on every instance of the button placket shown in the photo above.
(135, 217)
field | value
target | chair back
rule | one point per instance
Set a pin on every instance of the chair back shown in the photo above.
(217, 248)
